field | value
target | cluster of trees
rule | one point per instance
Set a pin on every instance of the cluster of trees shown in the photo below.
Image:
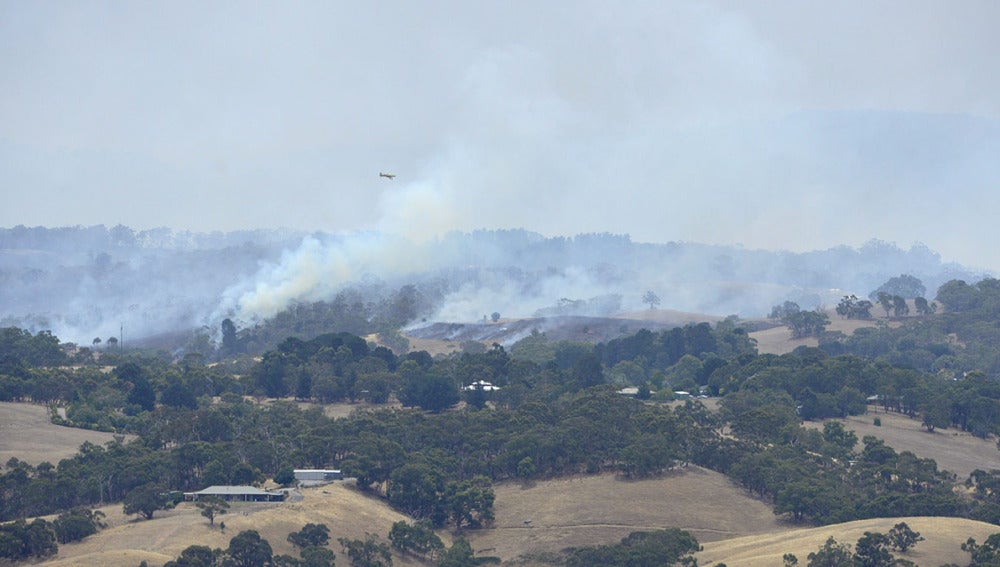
(557, 413)
(639, 549)
(358, 310)
(249, 549)
(19, 349)
(22, 540)
(873, 549)
(960, 340)
(802, 323)
(850, 307)
(343, 367)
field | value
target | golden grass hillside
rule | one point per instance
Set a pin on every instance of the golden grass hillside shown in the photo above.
(575, 511)
(127, 541)
(942, 545)
(591, 510)
(957, 451)
(27, 433)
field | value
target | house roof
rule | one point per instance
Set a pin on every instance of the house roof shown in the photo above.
(230, 490)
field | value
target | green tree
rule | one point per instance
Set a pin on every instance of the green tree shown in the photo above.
(899, 306)
(885, 300)
(212, 506)
(902, 538)
(587, 371)
(141, 393)
(370, 552)
(145, 500)
(872, 550)
(806, 323)
(470, 502)
(229, 341)
(924, 308)
(77, 524)
(432, 391)
(314, 556)
(956, 295)
(195, 556)
(650, 298)
(835, 433)
(248, 549)
(936, 414)
(416, 488)
(285, 475)
(903, 285)
(460, 554)
(418, 538)
(639, 549)
(526, 469)
(311, 535)
(985, 555)
(832, 554)
(786, 308)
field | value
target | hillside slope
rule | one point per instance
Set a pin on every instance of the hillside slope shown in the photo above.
(575, 511)
(127, 541)
(27, 434)
(944, 537)
(591, 510)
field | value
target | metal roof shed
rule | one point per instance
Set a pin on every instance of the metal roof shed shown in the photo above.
(237, 493)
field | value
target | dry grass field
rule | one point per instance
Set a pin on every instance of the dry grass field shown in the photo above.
(778, 340)
(586, 510)
(127, 541)
(955, 451)
(576, 511)
(589, 510)
(942, 545)
(27, 433)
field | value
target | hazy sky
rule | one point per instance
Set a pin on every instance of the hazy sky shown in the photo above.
(793, 125)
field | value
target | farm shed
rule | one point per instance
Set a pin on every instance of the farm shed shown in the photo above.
(318, 475)
(237, 493)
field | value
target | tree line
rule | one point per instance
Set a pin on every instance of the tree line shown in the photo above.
(557, 412)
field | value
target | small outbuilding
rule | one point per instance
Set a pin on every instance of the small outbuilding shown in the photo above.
(318, 475)
(481, 385)
(237, 494)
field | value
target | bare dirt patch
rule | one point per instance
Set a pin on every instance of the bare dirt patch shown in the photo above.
(591, 510)
(955, 451)
(27, 433)
(942, 545)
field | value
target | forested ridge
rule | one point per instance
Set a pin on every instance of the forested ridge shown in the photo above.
(557, 411)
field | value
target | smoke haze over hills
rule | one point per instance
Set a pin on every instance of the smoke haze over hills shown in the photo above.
(787, 126)
(87, 282)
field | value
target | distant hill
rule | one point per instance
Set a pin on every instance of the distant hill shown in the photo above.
(87, 282)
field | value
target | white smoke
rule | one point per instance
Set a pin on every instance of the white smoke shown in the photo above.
(316, 270)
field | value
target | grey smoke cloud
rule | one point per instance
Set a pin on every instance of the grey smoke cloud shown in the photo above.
(792, 125)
